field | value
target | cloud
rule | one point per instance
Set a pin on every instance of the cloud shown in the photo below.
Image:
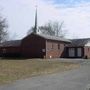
(77, 20)
(20, 15)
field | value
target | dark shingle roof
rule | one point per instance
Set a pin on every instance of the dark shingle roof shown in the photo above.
(79, 42)
(11, 43)
(15, 43)
(53, 38)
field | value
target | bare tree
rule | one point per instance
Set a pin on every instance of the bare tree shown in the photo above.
(53, 28)
(3, 30)
(47, 29)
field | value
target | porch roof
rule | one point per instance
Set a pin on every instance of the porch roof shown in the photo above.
(79, 42)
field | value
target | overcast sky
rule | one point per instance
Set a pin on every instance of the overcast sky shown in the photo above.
(20, 15)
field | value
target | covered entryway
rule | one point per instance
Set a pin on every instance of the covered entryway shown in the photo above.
(75, 52)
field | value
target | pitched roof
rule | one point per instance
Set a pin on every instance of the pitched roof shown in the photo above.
(79, 42)
(15, 43)
(53, 38)
(11, 43)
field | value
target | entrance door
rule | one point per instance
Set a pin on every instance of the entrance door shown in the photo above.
(79, 52)
(71, 52)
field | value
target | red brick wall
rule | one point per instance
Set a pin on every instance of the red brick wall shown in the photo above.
(52, 51)
(87, 52)
(33, 45)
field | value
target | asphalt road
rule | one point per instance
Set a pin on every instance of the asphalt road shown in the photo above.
(78, 79)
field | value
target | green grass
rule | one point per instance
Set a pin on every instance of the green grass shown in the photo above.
(11, 70)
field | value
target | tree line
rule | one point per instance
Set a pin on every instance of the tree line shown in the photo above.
(3, 29)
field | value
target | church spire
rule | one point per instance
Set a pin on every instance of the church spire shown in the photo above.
(35, 27)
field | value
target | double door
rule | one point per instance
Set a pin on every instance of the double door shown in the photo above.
(75, 52)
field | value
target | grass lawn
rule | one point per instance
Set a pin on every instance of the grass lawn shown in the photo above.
(11, 70)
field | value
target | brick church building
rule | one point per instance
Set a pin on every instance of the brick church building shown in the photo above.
(38, 45)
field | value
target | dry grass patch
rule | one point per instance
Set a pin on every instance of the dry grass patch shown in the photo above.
(11, 70)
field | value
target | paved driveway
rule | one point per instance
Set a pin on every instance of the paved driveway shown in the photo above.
(78, 79)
